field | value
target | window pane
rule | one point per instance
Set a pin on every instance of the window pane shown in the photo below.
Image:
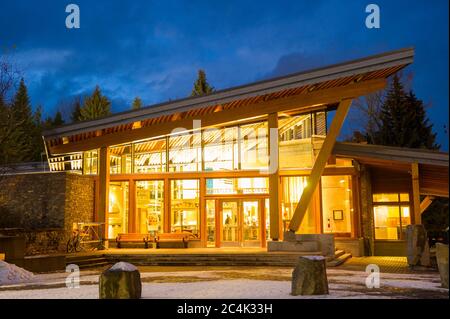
(90, 162)
(150, 207)
(404, 197)
(185, 215)
(251, 185)
(251, 220)
(120, 159)
(385, 198)
(295, 145)
(267, 221)
(211, 223)
(292, 191)
(118, 209)
(254, 146)
(387, 222)
(337, 205)
(220, 149)
(185, 153)
(150, 156)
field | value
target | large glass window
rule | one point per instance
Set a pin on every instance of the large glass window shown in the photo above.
(211, 223)
(118, 208)
(90, 166)
(254, 146)
(120, 159)
(295, 146)
(292, 191)
(337, 205)
(220, 149)
(185, 216)
(185, 153)
(150, 156)
(150, 207)
(391, 215)
(244, 185)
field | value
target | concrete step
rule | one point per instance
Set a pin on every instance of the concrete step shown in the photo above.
(338, 253)
(340, 260)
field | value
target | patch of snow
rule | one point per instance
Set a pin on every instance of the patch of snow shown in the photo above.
(11, 274)
(313, 257)
(123, 266)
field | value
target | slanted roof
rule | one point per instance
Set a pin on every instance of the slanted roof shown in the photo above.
(302, 84)
(433, 165)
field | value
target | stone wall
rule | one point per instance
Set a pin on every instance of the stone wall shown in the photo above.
(367, 221)
(43, 206)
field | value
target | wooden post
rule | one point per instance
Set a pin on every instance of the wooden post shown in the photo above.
(274, 178)
(425, 203)
(319, 165)
(416, 193)
(103, 204)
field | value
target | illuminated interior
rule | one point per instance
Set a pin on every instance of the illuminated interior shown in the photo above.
(118, 208)
(211, 223)
(185, 215)
(90, 162)
(150, 207)
(391, 215)
(120, 159)
(337, 205)
(292, 191)
(250, 185)
(150, 156)
(250, 211)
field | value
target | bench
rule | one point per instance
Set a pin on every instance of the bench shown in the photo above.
(134, 238)
(182, 238)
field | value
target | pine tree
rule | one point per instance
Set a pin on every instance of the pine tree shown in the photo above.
(76, 113)
(58, 119)
(201, 85)
(403, 121)
(137, 103)
(95, 106)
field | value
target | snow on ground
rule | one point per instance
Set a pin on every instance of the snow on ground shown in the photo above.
(261, 283)
(11, 274)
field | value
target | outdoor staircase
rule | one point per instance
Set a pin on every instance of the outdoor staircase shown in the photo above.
(87, 261)
(340, 257)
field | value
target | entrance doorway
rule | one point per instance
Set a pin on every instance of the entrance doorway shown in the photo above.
(239, 222)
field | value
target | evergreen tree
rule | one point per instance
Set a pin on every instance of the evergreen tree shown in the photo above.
(201, 85)
(76, 113)
(137, 103)
(95, 106)
(58, 119)
(403, 121)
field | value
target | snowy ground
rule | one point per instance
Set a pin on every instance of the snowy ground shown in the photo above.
(232, 282)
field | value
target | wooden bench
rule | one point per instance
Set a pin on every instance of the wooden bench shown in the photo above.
(134, 238)
(182, 238)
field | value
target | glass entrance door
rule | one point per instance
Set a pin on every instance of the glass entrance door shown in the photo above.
(240, 222)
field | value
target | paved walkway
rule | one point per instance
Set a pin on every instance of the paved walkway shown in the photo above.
(387, 264)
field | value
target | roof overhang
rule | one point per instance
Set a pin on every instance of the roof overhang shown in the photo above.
(311, 88)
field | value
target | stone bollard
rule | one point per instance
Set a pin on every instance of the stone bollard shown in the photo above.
(418, 251)
(442, 261)
(121, 281)
(310, 276)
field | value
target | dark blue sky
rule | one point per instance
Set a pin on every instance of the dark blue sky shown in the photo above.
(153, 49)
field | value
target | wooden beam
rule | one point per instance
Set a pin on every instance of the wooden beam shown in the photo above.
(305, 102)
(274, 178)
(416, 193)
(103, 204)
(319, 165)
(426, 202)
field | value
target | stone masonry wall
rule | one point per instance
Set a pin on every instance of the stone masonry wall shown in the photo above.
(366, 211)
(43, 206)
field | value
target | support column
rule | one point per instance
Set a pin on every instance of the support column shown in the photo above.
(416, 193)
(319, 165)
(103, 204)
(274, 178)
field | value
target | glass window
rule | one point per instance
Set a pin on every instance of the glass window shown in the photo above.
(90, 162)
(391, 215)
(295, 145)
(185, 153)
(220, 149)
(211, 223)
(250, 210)
(120, 159)
(184, 203)
(150, 156)
(254, 146)
(118, 209)
(150, 207)
(245, 185)
(292, 191)
(267, 207)
(337, 205)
